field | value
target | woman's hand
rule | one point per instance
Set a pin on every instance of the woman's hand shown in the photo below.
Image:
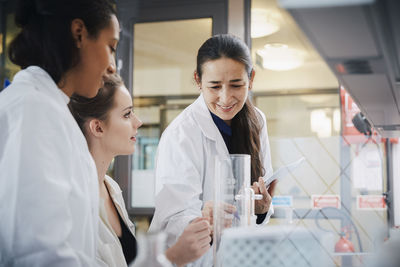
(192, 244)
(208, 211)
(262, 206)
(226, 212)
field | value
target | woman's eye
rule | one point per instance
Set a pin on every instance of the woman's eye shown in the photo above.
(215, 87)
(237, 85)
(113, 50)
(128, 114)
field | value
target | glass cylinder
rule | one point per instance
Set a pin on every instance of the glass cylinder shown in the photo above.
(243, 193)
(233, 197)
(151, 250)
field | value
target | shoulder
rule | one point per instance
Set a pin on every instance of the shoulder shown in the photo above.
(183, 124)
(25, 96)
(32, 111)
(260, 113)
(31, 115)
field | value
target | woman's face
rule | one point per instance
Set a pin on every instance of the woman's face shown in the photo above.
(97, 59)
(225, 85)
(121, 127)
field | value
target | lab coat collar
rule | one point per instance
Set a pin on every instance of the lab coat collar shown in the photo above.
(116, 196)
(43, 82)
(203, 118)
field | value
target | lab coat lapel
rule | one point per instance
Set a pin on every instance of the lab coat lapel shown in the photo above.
(203, 117)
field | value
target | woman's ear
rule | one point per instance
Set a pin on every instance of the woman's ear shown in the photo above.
(197, 79)
(78, 31)
(253, 73)
(95, 127)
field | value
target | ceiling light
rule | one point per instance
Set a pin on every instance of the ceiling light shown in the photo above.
(320, 123)
(336, 120)
(263, 22)
(279, 57)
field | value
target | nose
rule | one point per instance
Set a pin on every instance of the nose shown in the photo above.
(224, 95)
(112, 67)
(136, 122)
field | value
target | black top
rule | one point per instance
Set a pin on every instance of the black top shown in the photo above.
(226, 132)
(128, 242)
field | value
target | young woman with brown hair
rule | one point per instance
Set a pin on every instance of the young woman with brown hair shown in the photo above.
(110, 128)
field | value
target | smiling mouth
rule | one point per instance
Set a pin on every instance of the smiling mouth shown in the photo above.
(226, 108)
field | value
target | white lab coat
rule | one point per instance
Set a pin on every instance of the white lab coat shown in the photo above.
(185, 170)
(48, 179)
(109, 251)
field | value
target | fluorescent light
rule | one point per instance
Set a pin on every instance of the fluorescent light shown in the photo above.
(263, 23)
(320, 123)
(280, 57)
(336, 120)
(319, 3)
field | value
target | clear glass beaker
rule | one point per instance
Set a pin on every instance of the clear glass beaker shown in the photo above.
(151, 250)
(233, 197)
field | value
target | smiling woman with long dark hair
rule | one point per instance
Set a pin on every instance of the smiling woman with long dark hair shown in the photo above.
(220, 122)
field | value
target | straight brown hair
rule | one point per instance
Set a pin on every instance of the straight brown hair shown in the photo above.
(83, 109)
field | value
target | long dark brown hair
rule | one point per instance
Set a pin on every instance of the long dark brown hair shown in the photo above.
(246, 125)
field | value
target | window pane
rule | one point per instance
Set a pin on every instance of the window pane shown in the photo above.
(164, 63)
(301, 99)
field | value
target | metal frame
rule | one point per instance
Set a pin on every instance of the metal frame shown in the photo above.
(247, 22)
(3, 32)
(6, 7)
(137, 11)
(390, 183)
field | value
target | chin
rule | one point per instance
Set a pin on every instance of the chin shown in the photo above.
(93, 94)
(130, 152)
(89, 94)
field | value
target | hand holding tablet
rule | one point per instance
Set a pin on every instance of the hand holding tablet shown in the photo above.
(283, 171)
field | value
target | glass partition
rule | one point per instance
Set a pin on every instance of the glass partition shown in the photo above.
(341, 184)
(163, 85)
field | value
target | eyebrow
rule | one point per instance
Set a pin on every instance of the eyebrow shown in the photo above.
(231, 81)
(236, 80)
(130, 107)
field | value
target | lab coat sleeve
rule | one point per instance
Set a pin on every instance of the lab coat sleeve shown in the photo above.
(178, 182)
(265, 157)
(35, 187)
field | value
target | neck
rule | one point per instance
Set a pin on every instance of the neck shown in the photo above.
(65, 84)
(102, 160)
(228, 122)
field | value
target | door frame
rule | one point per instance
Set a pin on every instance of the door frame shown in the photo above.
(139, 11)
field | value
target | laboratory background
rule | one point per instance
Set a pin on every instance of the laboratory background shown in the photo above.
(327, 79)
